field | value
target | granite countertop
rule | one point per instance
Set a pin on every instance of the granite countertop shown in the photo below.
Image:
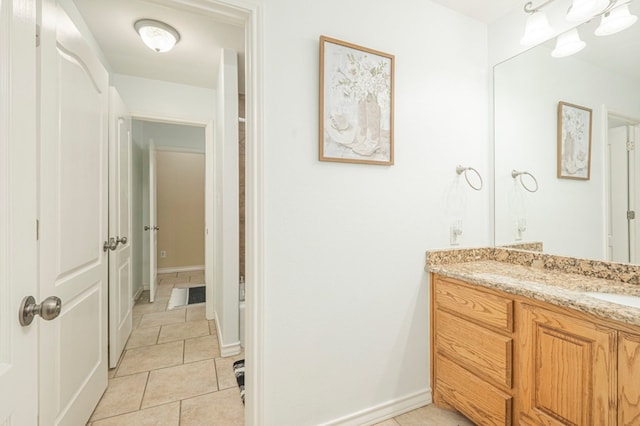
(557, 280)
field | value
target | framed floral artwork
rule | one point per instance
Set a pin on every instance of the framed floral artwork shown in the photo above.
(356, 103)
(574, 141)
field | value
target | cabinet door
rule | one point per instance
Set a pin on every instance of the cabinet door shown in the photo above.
(567, 370)
(628, 379)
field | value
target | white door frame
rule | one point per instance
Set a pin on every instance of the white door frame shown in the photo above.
(153, 219)
(250, 14)
(608, 113)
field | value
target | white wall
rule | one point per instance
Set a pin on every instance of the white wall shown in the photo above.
(175, 137)
(568, 216)
(155, 98)
(346, 296)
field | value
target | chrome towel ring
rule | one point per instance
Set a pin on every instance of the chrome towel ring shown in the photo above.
(515, 174)
(460, 170)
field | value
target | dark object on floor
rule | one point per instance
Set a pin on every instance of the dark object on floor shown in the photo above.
(196, 295)
(238, 369)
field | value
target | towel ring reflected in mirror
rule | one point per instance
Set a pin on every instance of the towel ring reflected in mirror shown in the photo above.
(460, 170)
(516, 174)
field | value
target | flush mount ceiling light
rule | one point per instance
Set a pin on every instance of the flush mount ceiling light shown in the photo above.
(157, 35)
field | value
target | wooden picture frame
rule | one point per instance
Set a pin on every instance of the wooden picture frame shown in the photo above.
(574, 141)
(356, 103)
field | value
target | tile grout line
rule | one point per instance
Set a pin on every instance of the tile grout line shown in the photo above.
(144, 391)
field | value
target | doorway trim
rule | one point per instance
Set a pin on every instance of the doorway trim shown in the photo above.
(250, 14)
(208, 127)
(607, 114)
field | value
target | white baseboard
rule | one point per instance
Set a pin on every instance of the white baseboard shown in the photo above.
(146, 287)
(386, 410)
(229, 349)
(138, 293)
(181, 269)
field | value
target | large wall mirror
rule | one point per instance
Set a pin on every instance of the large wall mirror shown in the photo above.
(584, 218)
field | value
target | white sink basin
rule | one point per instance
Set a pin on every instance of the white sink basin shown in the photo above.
(620, 299)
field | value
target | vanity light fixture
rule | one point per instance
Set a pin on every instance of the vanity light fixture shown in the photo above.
(581, 10)
(537, 29)
(158, 36)
(615, 18)
(568, 44)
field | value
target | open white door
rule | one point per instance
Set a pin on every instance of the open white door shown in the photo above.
(120, 285)
(623, 244)
(153, 223)
(634, 194)
(18, 249)
(73, 153)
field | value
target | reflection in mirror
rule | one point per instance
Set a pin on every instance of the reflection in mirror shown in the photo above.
(578, 218)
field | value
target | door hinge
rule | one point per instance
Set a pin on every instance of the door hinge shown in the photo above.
(37, 35)
(631, 214)
(631, 145)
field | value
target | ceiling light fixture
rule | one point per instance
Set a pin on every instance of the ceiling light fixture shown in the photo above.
(615, 18)
(157, 35)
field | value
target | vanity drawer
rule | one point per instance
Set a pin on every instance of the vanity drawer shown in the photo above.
(480, 402)
(479, 306)
(483, 352)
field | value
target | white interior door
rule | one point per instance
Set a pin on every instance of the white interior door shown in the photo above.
(73, 187)
(18, 249)
(120, 285)
(634, 194)
(153, 223)
(623, 244)
(619, 229)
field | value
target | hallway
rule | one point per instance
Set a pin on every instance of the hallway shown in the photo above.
(171, 372)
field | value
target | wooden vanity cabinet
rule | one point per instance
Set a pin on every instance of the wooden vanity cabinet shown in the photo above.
(567, 370)
(503, 359)
(472, 351)
(628, 379)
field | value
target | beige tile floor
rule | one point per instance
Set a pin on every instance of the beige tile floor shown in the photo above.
(171, 372)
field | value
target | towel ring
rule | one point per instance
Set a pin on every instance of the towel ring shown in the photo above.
(515, 174)
(460, 170)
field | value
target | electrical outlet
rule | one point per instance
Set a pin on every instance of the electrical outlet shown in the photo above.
(455, 232)
(163, 254)
(521, 227)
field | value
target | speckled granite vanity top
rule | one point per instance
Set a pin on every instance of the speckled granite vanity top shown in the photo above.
(562, 281)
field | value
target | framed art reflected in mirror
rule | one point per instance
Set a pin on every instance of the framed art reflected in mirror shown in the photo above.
(574, 141)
